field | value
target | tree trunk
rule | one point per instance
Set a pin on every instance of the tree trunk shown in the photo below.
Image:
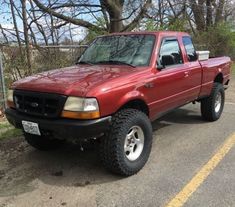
(26, 37)
(115, 25)
(52, 29)
(114, 9)
(219, 12)
(198, 13)
(209, 20)
(16, 27)
(160, 12)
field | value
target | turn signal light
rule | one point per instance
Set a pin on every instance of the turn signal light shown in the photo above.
(81, 115)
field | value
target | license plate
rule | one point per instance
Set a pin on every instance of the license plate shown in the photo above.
(31, 127)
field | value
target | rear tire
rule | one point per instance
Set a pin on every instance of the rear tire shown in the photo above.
(127, 146)
(212, 106)
(42, 143)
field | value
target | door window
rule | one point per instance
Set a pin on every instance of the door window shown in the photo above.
(170, 53)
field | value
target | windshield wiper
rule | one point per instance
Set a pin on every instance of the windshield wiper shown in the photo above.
(84, 62)
(114, 62)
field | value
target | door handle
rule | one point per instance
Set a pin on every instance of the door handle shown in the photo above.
(149, 85)
(186, 74)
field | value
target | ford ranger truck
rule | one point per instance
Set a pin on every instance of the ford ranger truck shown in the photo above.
(120, 84)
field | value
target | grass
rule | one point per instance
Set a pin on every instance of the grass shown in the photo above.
(233, 69)
(4, 125)
(7, 130)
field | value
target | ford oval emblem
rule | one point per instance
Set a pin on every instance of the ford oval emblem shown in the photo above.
(34, 104)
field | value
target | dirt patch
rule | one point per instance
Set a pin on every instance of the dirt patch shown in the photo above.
(53, 176)
(11, 151)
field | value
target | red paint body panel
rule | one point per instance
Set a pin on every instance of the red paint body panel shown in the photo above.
(114, 86)
(72, 81)
(211, 68)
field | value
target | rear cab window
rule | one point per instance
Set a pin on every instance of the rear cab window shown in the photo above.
(170, 53)
(190, 49)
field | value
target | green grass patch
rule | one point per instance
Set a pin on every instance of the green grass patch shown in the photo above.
(4, 125)
(10, 133)
(7, 131)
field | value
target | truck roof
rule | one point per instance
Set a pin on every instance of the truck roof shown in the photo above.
(157, 33)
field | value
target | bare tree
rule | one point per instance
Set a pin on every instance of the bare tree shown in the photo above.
(210, 12)
(35, 19)
(110, 10)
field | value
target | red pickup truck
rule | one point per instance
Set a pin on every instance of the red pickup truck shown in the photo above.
(119, 85)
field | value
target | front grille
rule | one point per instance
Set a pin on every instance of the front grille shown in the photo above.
(39, 104)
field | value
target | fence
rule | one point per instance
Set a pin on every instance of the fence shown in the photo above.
(14, 66)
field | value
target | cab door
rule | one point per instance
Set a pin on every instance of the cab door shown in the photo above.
(171, 83)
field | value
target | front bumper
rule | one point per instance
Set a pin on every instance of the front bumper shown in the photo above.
(62, 128)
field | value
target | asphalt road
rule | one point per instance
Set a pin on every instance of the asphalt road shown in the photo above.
(183, 144)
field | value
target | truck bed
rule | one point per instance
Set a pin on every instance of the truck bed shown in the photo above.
(212, 67)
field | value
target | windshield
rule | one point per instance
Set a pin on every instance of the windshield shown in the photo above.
(133, 50)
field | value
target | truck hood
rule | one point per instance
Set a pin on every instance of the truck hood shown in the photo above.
(75, 80)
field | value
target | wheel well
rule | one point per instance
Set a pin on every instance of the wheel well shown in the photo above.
(137, 104)
(219, 78)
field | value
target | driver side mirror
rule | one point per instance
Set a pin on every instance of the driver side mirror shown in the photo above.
(160, 66)
(165, 60)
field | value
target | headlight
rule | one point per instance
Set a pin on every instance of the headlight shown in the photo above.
(10, 101)
(81, 108)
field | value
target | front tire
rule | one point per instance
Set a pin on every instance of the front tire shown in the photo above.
(42, 143)
(212, 106)
(126, 148)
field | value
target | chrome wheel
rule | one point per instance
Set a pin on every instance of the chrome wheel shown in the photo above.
(134, 143)
(218, 101)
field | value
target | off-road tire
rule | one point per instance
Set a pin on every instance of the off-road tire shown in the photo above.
(112, 152)
(208, 104)
(42, 143)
